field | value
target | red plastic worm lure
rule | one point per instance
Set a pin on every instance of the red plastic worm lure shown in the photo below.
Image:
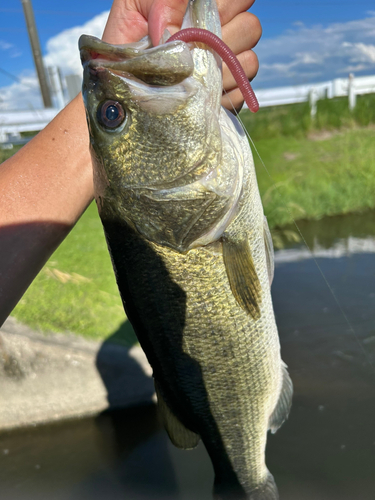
(213, 41)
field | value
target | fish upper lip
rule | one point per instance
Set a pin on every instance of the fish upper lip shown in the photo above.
(88, 56)
(92, 48)
(166, 64)
(95, 57)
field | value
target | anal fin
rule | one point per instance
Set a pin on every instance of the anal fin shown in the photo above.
(281, 411)
(177, 432)
(242, 276)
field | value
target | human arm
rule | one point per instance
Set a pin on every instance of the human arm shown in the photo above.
(44, 189)
(47, 185)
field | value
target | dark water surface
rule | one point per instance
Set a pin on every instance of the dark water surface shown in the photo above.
(325, 451)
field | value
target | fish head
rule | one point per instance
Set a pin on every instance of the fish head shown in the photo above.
(138, 105)
(155, 135)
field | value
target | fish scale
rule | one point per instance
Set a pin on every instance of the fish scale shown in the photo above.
(244, 353)
(176, 190)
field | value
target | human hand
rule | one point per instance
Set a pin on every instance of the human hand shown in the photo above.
(131, 20)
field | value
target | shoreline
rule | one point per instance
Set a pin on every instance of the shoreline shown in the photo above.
(53, 377)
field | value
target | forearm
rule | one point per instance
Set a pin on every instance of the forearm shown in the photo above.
(44, 189)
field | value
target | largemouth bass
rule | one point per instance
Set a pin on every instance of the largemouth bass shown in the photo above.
(176, 190)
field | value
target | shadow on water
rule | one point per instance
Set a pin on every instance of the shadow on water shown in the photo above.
(132, 440)
(156, 306)
(138, 454)
(325, 451)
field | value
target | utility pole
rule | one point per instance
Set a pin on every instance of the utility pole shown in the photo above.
(37, 54)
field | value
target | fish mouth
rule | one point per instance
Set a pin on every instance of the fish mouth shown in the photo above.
(167, 64)
(93, 48)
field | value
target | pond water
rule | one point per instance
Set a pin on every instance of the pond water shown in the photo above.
(325, 451)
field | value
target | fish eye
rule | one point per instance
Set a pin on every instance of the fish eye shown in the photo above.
(111, 114)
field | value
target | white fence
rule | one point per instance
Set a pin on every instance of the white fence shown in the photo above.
(13, 123)
(340, 87)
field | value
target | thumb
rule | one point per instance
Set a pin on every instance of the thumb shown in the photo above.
(165, 14)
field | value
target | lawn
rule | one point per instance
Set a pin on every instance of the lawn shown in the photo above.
(313, 170)
(7, 153)
(311, 178)
(76, 290)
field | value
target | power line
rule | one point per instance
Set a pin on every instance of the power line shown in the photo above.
(13, 30)
(51, 12)
(23, 30)
(16, 78)
(13, 77)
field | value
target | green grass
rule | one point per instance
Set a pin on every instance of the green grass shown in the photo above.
(76, 290)
(311, 179)
(7, 153)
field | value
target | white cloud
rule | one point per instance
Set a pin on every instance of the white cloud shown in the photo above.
(10, 49)
(15, 53)
(361, 52)
(317, 53)
(353, 69)
(62, 49)
(5, 45)
(24, 94)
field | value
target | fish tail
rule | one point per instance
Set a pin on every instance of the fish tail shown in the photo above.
(266, 491)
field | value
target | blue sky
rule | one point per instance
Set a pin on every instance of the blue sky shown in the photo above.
(303, 41)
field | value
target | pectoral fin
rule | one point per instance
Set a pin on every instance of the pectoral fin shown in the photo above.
(242, 276)
(177, 432)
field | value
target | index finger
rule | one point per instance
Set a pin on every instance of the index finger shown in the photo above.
(165, 14)
(131, 20)
(127, 22)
